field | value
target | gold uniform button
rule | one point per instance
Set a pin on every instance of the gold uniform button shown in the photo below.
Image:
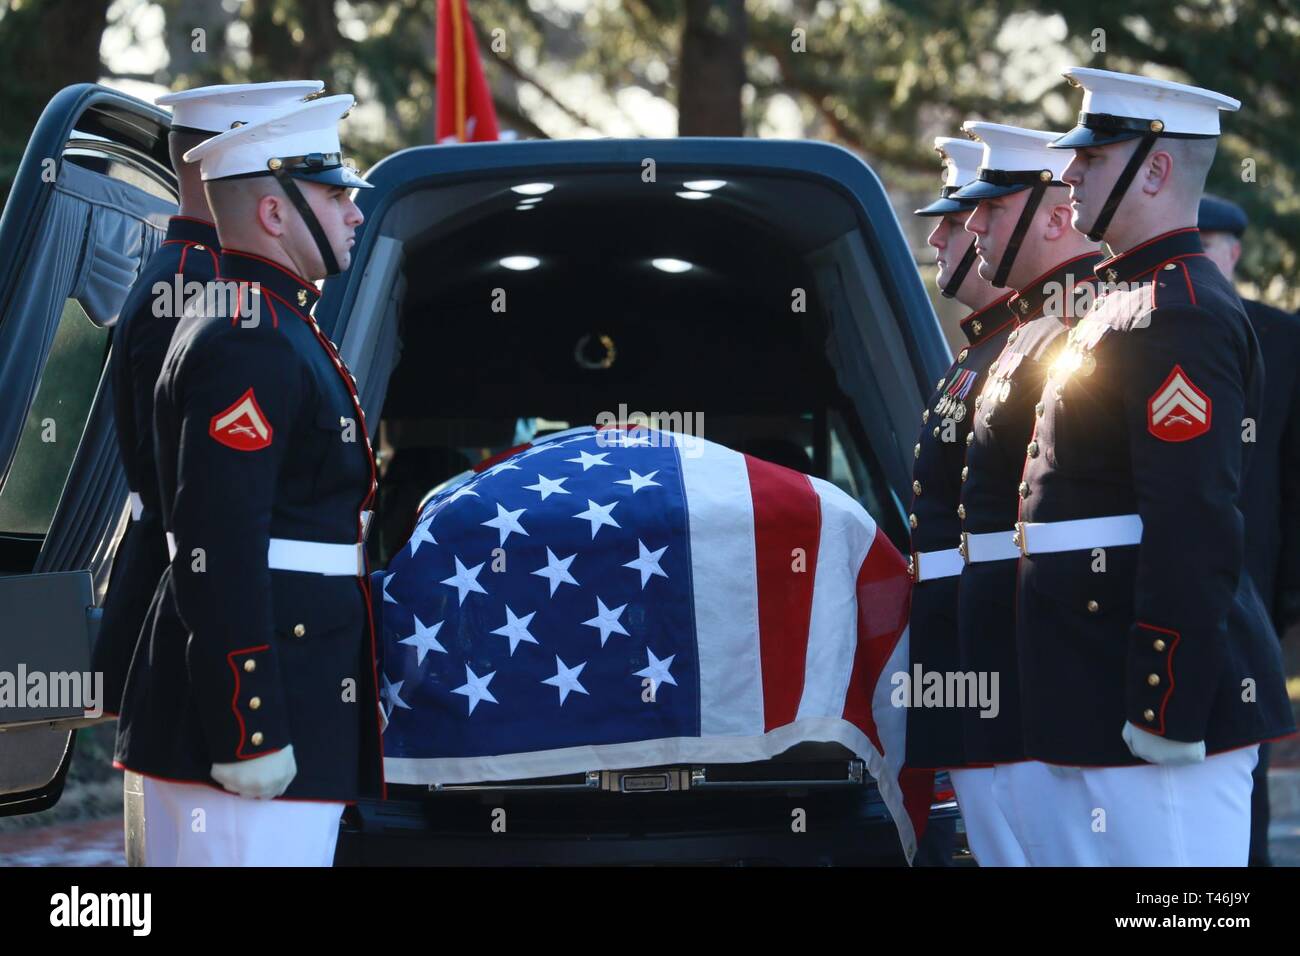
(1039, 408)
(925, 416)
(1159, 645)
(936, 431)
(1032, 449)
(977, 326)
(961, 356)
(916, 487)
(1112, 275)
(1024, 489)
(250, 665)
(970, 438)
(200, 247)
(257, 739)
(939, 384)
(299, 630)
(961, 512)
(1011, 339)
(1153, 679)
(911, 519)
(916, 451)
(254, 703)
(1148, 715)
(965, 472)
(979, 400)
(1168, 265)
(1093, 607)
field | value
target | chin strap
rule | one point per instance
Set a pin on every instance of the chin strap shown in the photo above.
(313, 224)
(1036, 192)
(949, 288)
(1121, 186)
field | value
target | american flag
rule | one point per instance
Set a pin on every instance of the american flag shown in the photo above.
(633, 598)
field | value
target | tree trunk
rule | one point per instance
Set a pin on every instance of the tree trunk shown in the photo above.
(293, 40)
(184, 63)
(712, 69)
(45, 45)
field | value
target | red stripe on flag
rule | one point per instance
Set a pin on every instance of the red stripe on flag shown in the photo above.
(787, 515)
(918, 793)
(884, 603)
(884, 599)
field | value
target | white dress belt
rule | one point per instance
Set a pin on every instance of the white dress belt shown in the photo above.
(286, 554)
(1081, 534)
(137, 505)
(931, 565)
(990, 546)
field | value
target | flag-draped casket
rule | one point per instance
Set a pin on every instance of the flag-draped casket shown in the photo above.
(630, 598)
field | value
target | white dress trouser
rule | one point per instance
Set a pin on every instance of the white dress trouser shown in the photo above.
(989, 833)
(1146, 815)
(190, 824)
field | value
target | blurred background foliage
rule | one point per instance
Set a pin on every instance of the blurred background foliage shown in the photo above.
(879, 77)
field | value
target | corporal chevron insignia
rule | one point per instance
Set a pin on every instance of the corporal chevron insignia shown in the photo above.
(242, 426)
(1178, 411)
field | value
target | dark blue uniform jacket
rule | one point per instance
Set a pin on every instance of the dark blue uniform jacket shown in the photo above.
(140, 338)
(260, 436)
(1148, 412)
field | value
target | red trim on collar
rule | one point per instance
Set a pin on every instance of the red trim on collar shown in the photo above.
(1000, 301)
(292, 275)
(1011, 320)
(1037, 281)
(1107, 263)
(1050, 272)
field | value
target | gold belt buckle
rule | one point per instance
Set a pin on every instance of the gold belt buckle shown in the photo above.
(1019, 539)
(913, 566)
(964, 547)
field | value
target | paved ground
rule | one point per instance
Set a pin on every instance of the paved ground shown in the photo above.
(87, 843)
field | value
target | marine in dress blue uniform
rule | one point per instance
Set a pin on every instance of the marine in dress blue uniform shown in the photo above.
(1050, 272)
(257, 673)
(934, 733)
(1270, 500)
(188, 254)
(1141, 649)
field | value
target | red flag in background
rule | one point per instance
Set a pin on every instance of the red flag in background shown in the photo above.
(465, 110)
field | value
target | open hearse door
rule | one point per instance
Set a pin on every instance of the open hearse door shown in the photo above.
(89, 204)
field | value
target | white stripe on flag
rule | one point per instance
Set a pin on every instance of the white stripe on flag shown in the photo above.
(724, 579)
(846, 535)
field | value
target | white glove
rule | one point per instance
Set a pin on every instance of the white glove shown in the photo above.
(1167, 753)
(261, 778)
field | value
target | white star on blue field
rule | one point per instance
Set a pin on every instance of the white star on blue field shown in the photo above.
(535, 602)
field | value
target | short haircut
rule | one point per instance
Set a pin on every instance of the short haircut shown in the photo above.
(179, 142)
(1192, 160)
